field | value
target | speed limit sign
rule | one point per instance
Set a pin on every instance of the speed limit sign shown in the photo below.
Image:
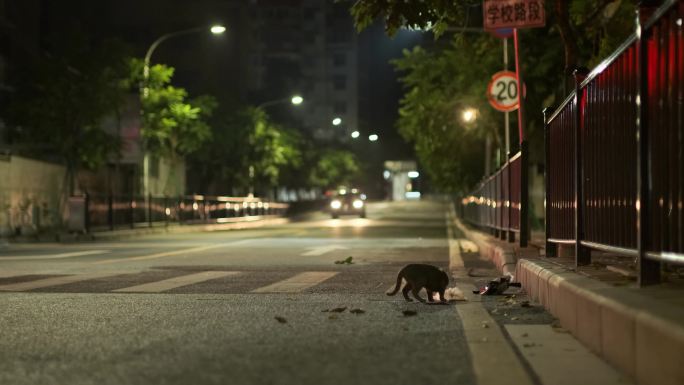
(502, 91)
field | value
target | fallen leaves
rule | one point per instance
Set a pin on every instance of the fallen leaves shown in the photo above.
(409, 313)
(280, 319)
(347, 261)
(357, 311)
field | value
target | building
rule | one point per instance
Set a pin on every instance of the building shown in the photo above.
(308, 47)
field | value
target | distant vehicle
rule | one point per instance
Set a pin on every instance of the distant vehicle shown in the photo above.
(346, 202)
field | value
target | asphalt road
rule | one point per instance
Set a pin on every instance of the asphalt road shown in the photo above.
(259, 306)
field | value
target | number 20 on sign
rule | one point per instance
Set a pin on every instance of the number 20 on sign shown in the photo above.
(502, 91)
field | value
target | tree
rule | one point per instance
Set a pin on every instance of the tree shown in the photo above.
(244, 139)
(334, 168)
(172, 126)
(60, 101)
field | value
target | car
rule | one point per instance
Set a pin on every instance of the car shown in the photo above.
(348, 203)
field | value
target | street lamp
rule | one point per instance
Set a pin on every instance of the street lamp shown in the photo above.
(214, 29)
(355, 134)
(373, 137)
(337, 121)
(295, 100)
(469, 115)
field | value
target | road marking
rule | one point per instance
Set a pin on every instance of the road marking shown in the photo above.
(172, 283)
(169, 253)
(53, 256)
(494, 361)
(297, 283)
(555, 357)
(54, 281)
(316, 251)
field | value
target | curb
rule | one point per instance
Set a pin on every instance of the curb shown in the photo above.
(504, 260)
(637, 334)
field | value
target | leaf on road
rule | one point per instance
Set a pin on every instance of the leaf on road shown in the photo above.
(280, 319)
(347, 261)
(338, 309)
(409, 313)
(333, 316)
(357, 311)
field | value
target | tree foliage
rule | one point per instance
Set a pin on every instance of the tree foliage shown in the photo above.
(334, 168)
(173, 125)
(245, 137)
(443, 79)
(60, 101)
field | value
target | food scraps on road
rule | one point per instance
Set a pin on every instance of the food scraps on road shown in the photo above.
(280, 319)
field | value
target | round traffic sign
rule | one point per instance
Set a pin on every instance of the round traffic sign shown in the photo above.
(502, 91)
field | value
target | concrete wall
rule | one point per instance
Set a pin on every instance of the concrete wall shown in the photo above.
(31, 193)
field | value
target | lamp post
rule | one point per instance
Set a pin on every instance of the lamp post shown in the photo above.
(214, 29)
(295, 100)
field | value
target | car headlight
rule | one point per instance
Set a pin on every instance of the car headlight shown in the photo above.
(336, 204)
(357, 204)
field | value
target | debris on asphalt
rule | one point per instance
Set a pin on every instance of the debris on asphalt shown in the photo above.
(525, 304)
(485, 325)
(347, 261)
(280, 319)
(529, 345)
(454, 294)
(333, 316)
(357, 311)
(409, 313)
(524, 335)
(338, 309)
(514, 318)
(497, 286)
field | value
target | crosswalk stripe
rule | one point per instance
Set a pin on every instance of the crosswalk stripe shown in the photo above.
(54, 281)
(172, 283)
(297, 283)
(171, 253)
(53, 256)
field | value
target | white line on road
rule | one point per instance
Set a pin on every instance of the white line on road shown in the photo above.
(316, 251)
(493, 358)
(52, 256)
(54, 281)
(170, 253)
(297, 283)
(555, 357)
(172, 283)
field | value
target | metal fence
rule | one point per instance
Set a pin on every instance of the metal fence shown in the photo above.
(109, 212)
(615, 151)
(499, 203)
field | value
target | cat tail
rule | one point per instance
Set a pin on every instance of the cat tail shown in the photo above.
(396, 288)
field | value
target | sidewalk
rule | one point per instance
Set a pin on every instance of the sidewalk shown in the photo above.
(160, 228)
(639, 331)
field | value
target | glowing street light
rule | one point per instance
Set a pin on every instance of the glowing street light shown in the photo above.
(469, 115)
(217, 29)
(297, 100)
(337, 121)
(372, 137)
(355, 134)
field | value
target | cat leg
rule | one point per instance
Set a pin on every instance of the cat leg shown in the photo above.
(430, 294)
(441, 297)
(415, 291)
(405, 291)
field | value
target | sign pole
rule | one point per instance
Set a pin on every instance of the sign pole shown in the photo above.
(518, 71)
(507, 120)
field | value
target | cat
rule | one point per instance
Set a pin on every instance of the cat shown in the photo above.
(419, 276)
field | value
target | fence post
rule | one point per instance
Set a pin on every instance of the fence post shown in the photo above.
(509, 201)
(649, 270)
(86, 219)
(524, 194)
(166, 214)
(550, 247)
(582, 254)
(149, 209)
(110, 211)
(131, 209)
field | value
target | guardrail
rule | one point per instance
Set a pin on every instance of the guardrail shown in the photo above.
(615, 152)
(108, 212)
(500, 202)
